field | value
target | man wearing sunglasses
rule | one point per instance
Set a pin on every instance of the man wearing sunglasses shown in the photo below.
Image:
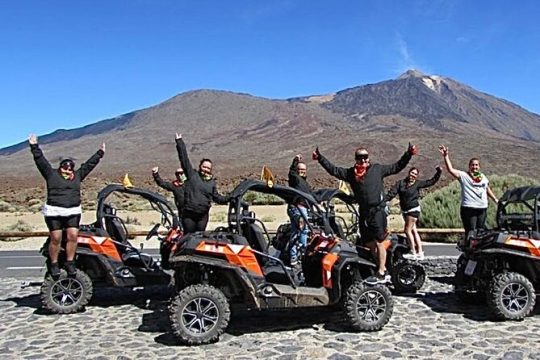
(176, 186)
(62, 209)
(366, 181)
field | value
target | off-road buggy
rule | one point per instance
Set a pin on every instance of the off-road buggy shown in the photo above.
(503, 265)
(407, 276)
(105, 257)
(237, 265)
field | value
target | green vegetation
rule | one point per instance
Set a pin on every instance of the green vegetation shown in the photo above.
(268, 218)
(255, 198)
(440, 208)
(218, 217)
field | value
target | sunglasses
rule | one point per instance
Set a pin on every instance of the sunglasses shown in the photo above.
(67, 166)
(179, 173)
(361, 156)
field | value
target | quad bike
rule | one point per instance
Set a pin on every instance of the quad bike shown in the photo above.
(237, 265)
(502, 266)
(406, 276)
(105, 258)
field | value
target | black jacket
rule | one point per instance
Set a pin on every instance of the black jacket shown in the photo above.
(368, 192)
(296, 181)
(198, 193)
(61, 192)
(175, 187)
(409, 196)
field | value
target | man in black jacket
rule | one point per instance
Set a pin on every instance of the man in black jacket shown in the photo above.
(297, 210)
(62, 210)
(176, 186)
(366, 181)
(199, 190)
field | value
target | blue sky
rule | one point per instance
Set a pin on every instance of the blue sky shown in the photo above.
(65, 64)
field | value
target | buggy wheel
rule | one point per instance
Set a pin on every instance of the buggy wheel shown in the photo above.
(511, 296)
(199, 314)
(408, 277)
(66, 295)
(368, 308)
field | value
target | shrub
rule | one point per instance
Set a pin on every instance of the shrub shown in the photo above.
(218, 217)
(268, 218)
(6, 207)
(132, 220)
(256, 198)
(20, 225)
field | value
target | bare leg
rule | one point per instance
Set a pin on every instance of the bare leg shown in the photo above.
(381, 257)
(54, 245)
(71, 244)
(417, 238)
(409, 225)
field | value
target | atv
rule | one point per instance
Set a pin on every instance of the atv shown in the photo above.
(238, 265)
(502, 265)
(406, 276)
(105, 257)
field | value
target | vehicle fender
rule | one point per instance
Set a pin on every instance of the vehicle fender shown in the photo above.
(247, 283)
(85, 255)
(364, 266)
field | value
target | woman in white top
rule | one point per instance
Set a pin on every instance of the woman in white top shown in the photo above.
(475, 191)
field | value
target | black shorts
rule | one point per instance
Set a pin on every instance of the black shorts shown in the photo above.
(414, 214)
(62, 222)
(374, 226)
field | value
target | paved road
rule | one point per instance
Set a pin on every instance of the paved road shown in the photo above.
(26, 264)
(121, 325)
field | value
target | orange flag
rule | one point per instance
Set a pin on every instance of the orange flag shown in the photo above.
(126, 182)
(267, 176)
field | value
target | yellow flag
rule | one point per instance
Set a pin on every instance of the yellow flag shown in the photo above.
(267, 176)
(342, 185)
(126, 182)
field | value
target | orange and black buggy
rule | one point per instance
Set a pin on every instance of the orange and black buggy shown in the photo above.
(502, 266)
(407, 276)
(239, 264)
(105, 257)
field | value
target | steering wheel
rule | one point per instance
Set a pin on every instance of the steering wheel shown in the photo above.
(153, 231)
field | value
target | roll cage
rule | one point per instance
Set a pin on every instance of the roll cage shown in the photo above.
(519, 209)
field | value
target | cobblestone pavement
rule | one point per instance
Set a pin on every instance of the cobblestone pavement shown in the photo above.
(125, 324)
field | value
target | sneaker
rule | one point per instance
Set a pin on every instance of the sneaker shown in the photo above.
(420, 256)
(410, 256)
(70, 268)
(378, 278)
(54, 270)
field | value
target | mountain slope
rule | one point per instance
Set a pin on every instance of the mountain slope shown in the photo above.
(241, 132)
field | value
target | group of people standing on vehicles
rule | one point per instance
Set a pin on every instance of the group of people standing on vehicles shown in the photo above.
(194, 191)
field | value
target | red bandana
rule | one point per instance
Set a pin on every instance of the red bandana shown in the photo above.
(177, 183)
(359, 172)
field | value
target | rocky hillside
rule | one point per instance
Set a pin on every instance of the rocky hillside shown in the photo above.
(241, 133)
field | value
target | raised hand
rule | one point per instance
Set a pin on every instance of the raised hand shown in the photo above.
(32, 139)
(102, 147)
(316, 154)
(443, 150)
(412, 149)
(438, 169)
(178, 136)
(298, 157)
(155, 169)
